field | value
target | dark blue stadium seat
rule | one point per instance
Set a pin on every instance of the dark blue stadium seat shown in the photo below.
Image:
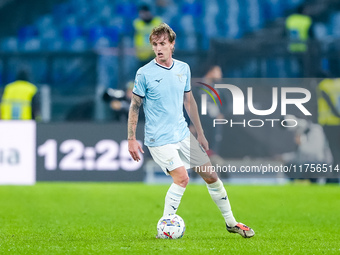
(61, 11)
(128, 12)
(27, 32)
(192, 8)
(100, 36)
(112, 33)
(95, 33)
(282, 67)
(52, 44)
(44, 23)
(9, 44)
(320, 30)
(32, 44)
(234, 27)
(334, 24)
(291, 4)
(273, 9)
(253, 15)
(79, 44)
(126, 9)
(71, 33)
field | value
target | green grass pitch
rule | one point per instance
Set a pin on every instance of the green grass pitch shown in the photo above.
(120, 218)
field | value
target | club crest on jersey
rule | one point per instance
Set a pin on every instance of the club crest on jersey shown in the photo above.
(136, 79)
(181, 77)
(170, 161)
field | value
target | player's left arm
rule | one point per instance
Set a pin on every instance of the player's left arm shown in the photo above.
(192, 110)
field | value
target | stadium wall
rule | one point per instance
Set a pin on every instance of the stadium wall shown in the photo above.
(31, 152)
(17, 152)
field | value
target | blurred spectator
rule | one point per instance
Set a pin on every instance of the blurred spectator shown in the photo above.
(213, 75)
(20, 100)
(328, 92)
(298, 26)
(143, 26)
(311, 148)
(119, 101)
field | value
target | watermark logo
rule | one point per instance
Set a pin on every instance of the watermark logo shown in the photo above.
(240, 101)
(204, 97)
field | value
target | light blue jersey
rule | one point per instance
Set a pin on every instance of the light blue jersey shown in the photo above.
(162, 90)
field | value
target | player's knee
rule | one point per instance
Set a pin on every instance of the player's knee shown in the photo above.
(185, 181)
(182, 180)
(180, 176)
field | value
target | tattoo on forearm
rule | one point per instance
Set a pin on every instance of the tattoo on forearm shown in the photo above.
(136, 103)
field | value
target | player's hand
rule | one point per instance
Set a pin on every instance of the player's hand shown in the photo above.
(134, 148)
(203, 141)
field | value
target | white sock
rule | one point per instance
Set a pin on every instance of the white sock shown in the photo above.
(219, 195)
(173, 198)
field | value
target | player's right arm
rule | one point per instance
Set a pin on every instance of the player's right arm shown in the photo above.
(134, 146)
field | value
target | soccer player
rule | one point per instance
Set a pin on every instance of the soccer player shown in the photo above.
(163, 85)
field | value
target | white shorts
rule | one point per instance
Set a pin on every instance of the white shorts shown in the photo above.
(188, 153)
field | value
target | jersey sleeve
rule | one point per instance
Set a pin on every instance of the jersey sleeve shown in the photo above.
(140, 85)
(188, 84)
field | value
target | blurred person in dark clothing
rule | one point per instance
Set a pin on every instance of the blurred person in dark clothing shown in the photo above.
(311, 148)
(213, 75)
(119, 101)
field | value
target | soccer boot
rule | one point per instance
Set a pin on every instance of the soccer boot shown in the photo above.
(241, 229)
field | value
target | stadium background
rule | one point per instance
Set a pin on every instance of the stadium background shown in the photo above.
(76, 49)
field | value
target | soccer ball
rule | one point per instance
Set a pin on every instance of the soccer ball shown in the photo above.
(170, 226)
